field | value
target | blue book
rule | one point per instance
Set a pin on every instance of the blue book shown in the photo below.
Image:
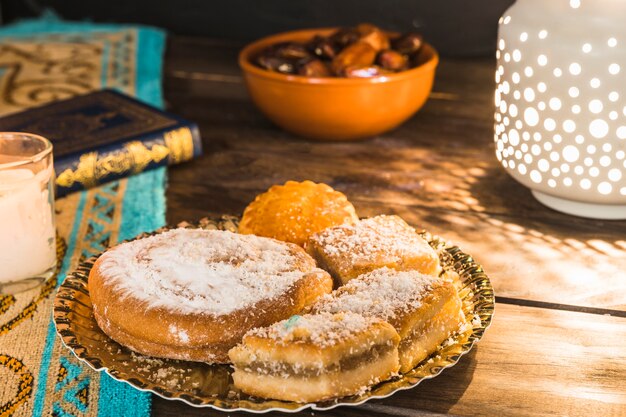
(103, 136)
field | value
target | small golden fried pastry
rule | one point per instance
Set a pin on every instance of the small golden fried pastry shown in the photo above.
(351, 250)
(315, 357)
(192, 294)
(294, 211)
(424, 309)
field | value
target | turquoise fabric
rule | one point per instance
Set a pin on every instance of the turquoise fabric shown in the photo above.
(151, 46)
(143, 207)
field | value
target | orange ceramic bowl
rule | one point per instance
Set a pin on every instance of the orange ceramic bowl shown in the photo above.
(336, 108)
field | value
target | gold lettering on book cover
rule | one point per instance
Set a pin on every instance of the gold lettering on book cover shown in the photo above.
(84, 172)
(142, 157)
(92, 168)
(180, 143)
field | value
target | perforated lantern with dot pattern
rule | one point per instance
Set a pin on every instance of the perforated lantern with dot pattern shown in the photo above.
(560, 120)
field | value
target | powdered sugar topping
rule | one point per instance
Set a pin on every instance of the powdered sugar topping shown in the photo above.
(322, 330)
(203, 271)
(382, 293)
(388, 235)
(179, 334)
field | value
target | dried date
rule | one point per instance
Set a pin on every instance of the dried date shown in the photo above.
(408, 43)
(392, 60)
(358, 54)
(313, 68)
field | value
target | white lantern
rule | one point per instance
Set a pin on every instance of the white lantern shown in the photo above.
(560, 120)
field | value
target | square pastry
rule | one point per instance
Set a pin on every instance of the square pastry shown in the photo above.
(348, 251)
(315, 357)
(425, 310)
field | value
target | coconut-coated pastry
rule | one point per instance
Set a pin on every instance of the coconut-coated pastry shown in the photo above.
(192, 294)
(348, 251)
(316, 357)
(424, 309)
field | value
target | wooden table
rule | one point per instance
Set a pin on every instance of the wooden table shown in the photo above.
(557, 345)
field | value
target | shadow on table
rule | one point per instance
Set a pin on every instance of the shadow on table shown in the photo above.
(551, 254)
(517, 212)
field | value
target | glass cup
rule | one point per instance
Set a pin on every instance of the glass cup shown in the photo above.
(27, 230)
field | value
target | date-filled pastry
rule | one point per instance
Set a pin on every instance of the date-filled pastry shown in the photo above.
(192, 294)
(294, 211)
(315, 357)
(348, 251)
(424, 309)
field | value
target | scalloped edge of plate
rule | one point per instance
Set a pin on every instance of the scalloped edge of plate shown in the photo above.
(433, 240)
(312, 406)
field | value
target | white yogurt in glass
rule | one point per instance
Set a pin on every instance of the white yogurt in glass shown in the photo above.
(27, 227)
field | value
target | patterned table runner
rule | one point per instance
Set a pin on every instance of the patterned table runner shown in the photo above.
(40, 61)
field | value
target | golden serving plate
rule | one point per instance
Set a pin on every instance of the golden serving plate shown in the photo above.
(203, 385)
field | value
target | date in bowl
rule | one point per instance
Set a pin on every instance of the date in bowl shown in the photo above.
(333, 108)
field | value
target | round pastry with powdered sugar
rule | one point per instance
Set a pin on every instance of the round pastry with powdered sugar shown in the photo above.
(192, 294)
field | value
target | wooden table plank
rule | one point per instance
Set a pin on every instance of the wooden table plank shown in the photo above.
(530, 362)
(438, 170)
